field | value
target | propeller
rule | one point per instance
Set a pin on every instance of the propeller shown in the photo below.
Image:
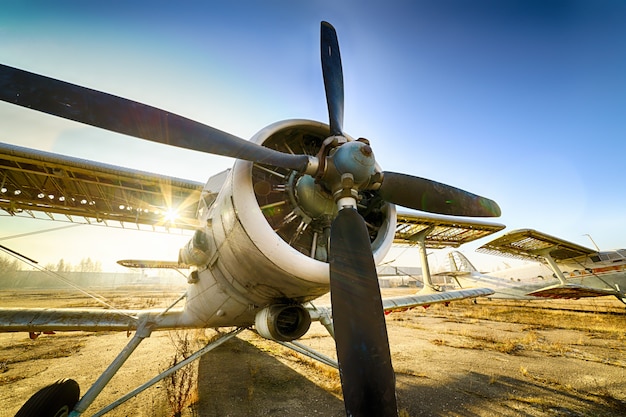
(361, 340)
(434, 197)
(367, 375)
(333, 77)
(117, 114)
(401, 189)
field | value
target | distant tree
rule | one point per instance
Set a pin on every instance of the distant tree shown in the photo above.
(9, 264)
(88, 265)
(63, 267)
(85, 265)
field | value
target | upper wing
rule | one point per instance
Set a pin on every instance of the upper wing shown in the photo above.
(447, 231)
(77, 190)
(528, 244)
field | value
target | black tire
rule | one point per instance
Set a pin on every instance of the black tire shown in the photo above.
(55, 400)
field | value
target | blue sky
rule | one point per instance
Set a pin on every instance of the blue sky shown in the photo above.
(520, 101)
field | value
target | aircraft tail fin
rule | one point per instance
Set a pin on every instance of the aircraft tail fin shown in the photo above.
(459, 263)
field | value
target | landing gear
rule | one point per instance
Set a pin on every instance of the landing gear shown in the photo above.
(55, 400)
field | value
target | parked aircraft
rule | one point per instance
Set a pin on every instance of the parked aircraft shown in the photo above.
(561, 269)
(304, 210)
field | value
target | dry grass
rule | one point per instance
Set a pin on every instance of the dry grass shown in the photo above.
(181, 386)
(121, 298)
(65, 345)
(592, 324)
(541, 318)
(543, 380)
(403, 413)
(536, 331)
(598, 396)
(466, 329)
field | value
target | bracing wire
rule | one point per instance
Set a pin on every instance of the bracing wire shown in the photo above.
(34, 264)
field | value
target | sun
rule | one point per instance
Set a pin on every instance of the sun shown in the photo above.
(171, 215)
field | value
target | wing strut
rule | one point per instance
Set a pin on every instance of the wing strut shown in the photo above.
(555, 268)
(420, 238)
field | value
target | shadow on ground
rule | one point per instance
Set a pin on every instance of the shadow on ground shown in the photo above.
(479, 395)
(238, 379)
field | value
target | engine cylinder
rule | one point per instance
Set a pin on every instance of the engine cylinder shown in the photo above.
(283, 322)
(196, 251)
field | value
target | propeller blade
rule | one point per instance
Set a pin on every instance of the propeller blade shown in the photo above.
(435, 197)
(121, 115)
(333, 77)
(367, 375)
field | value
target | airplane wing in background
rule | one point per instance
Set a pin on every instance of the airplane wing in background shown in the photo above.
(437, 231)
(529, 244)
(447, 231)
(80, 191)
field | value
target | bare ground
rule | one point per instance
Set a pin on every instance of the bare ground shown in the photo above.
(485, 359)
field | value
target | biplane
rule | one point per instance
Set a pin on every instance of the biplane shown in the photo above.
(305, 210)
(559, 270)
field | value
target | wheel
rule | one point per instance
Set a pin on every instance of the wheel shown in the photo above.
(55, 400)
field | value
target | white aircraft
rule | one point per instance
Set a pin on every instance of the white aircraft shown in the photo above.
(304, 210)
(561, 269)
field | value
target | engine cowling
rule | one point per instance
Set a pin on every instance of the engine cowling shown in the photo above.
(282, 322)
(295, 209)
